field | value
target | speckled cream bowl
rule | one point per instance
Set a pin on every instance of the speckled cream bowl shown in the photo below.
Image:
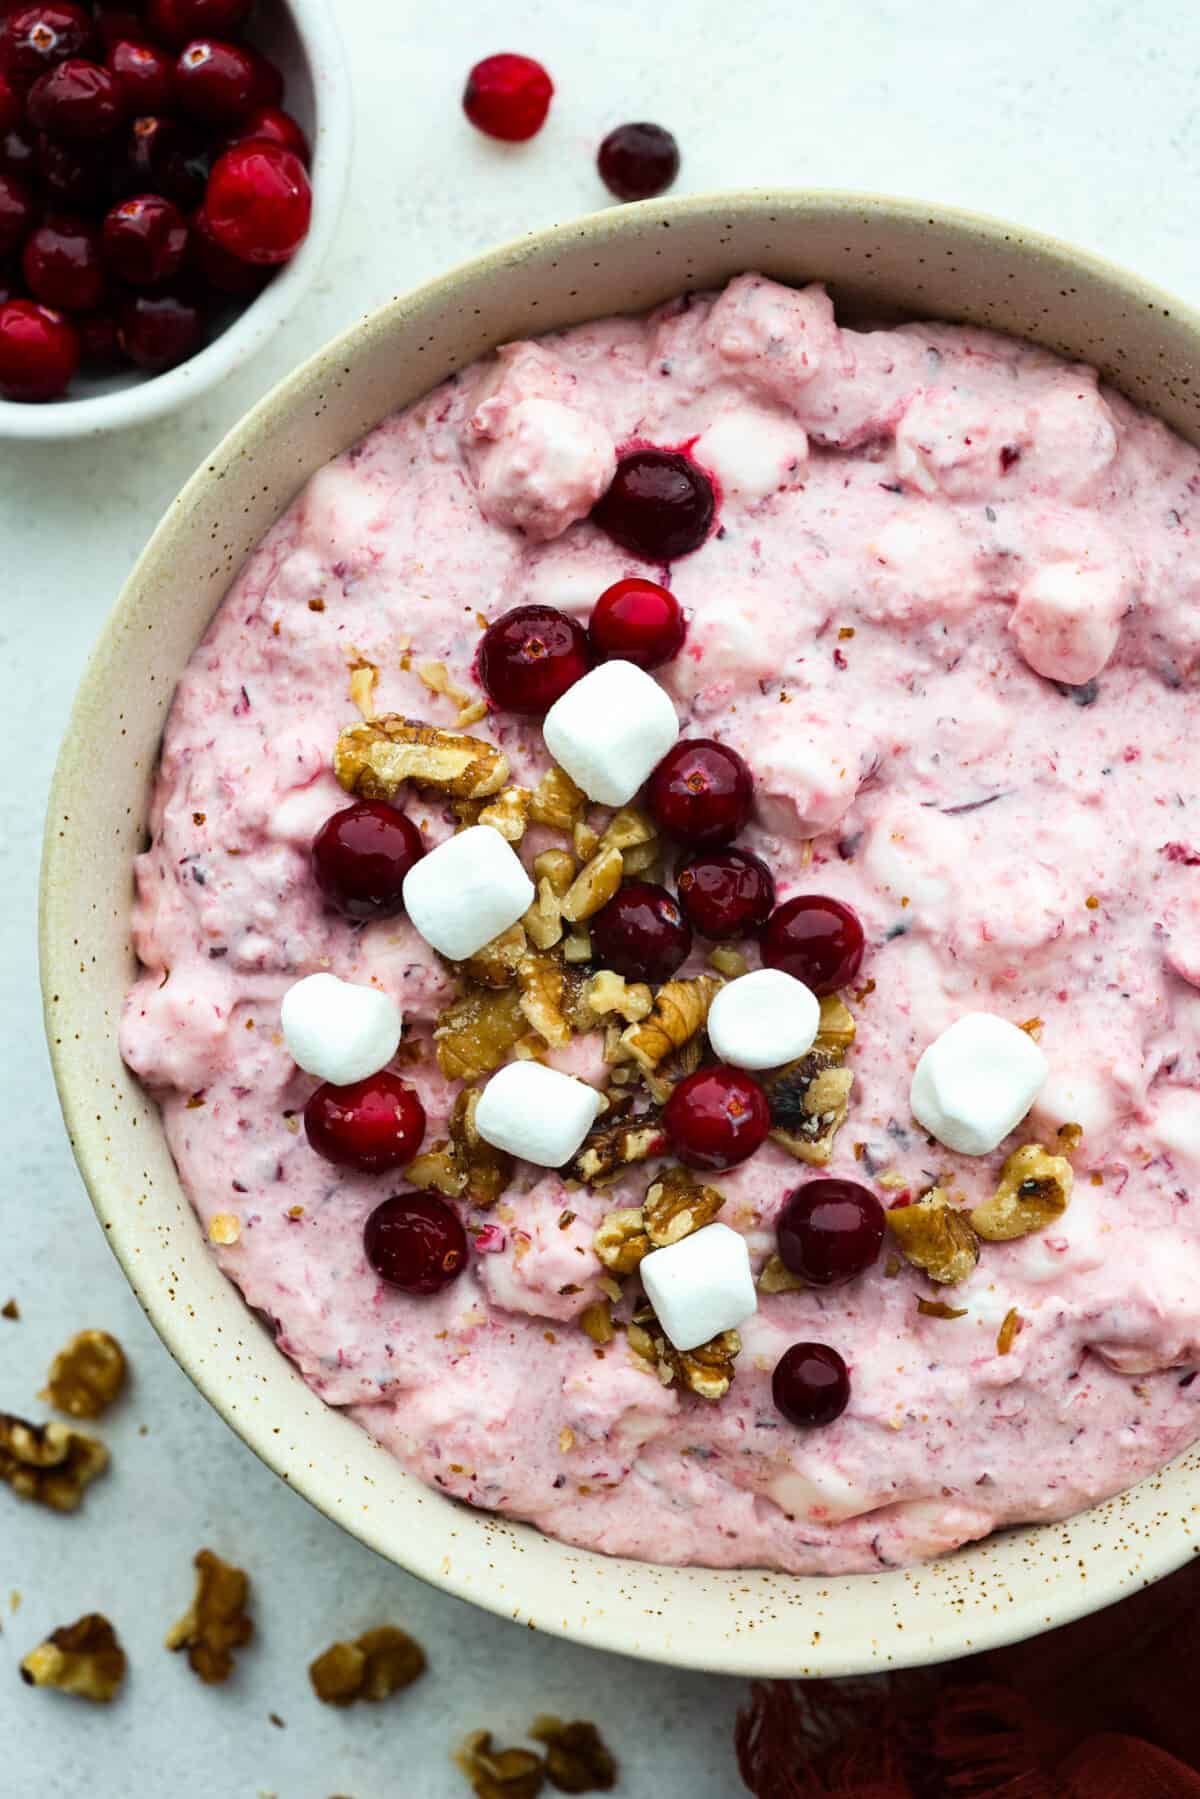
(881, 258)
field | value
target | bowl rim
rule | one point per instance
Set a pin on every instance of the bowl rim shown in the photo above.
(323, 45)
(613, 1625)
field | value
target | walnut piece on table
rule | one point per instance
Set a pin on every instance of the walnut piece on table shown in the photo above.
(86, 1376)
(84, 1659)
(578, 1760)
(49, 1463)
(375, 760)
(216, 1623)
(936, 1237)
(373, 1667)
(1034, 1190)
(500, 1773)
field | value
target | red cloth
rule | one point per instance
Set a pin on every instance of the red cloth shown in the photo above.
(1104, 1709)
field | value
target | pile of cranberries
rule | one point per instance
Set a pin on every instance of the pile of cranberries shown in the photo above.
(149, 180)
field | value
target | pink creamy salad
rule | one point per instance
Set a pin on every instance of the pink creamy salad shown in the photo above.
(950, 614)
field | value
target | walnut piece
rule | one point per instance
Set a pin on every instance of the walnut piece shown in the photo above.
(224, 1228)
(608, 992)
(216, 1623)
(577, 946)
(49, 1463)
(557, 802)
(596, 1322)
(620, 1239)
(478, 1031)
(728, 962)
(936, 1237)
(809, 1101)
(593, 886)
(465, 1167)
(836, 1028)
(364, 679)
(937, 1308)
(543, 923)
(84, 1659)
(577, 1758)
(495, 965)
(374, 760)
(500, 1773)
(86, 1376)
(706, 1371)
(680, 1011)
(374, 1666)
(1035, 1189)
(776, 1277)
(606, 1153)
(675, 1205)
(545, 998)
(1009, 1331)
(508, 813)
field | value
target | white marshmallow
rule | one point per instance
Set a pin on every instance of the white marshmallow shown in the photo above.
(975, 1083)
(536, 1113)
(337, 1030)
(610, 730)
(701, 1285)
(466, 891)
(763, 1019)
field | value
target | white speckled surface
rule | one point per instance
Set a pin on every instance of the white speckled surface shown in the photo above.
(1055, 115)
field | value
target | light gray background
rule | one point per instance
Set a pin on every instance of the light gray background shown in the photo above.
(1078, 116)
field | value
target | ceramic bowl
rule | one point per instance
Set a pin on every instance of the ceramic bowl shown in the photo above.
(881, 258)
(303, 38)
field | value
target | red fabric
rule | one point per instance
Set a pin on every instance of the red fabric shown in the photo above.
(1104, 1709)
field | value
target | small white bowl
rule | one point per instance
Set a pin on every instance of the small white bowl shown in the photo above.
(302, 36)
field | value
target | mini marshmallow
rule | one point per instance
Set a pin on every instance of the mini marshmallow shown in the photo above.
(701, 1285)
(536, 1113)
(337, 1030)
(466, 891)
(610, 730)
(764, 1019)
(975, 1083)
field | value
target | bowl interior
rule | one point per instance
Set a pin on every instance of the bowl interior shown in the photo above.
(880, 258)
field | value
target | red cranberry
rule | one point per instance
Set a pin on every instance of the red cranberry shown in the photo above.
(10, 106)
(273, 126)
(637, 621)
(157, 330)
(259, 203)
(35, 38)
(72, 174)
(726, 893)
(120, 24)
(62, 267)
(638, 161)
(701, 792)
(19, 153)
(660, 505)
(360, 858)
(810, 1385)
(268, 80)
(143, 75)
(530, 657)
(716, 1118)
(162, 156)
(215, 82)
(145, 239)
(175, 21)
(416, 1242)
(78, 100)
(227, 274)
(641, 933)
(816, 939)
(98, 345)
(17, 213)
(508, 97)
(39, 351)
(372, 1125)
(829, 1231)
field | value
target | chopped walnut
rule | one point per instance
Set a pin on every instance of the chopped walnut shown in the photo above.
(374, 760)
(584, 841)
(728, 962)
(1070, 1136)
(216, 1623)
(596, 1322)
(608, 992)
(224, 1228)
(477, 1032)
(1008, 1331)
(1035, 1189)
(558, 867)
(627, 829)
(508, 813)
(937, 1308)
(777, 1278)
(809, 1101)
(84, 1659)
(662, 1081)
(49, 1463)
(374, 1666)
(936, 1237)
(680, 1011)
(836, 1029)
(577, 946)
(436, 676)
(495, 965)
(577, 1758)
(706, 1371)
(545, 998)
(86, 1376)
(364, 679)
(675, 1205)
(621, 1240)
(607, 1152)
(500, 1773)
(557, 802)
(543, 923)
(465, 1167)
(593, 887)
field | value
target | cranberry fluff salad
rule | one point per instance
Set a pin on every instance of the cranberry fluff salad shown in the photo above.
(670, 936)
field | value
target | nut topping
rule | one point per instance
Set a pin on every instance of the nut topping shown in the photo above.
(544, 998)
(374, 1666)
(49, 1463)
(465, 1167)
(593, 887)
(707, 1371)
(607, 1152)
(577, 1758)
(374, 760)
(776, 1277)
(608, 992)
(216, 1623)
(508, 813)
(84, 1659)
(621, 1239)
(679, 1014)
(495, 965)
(500, 1773)
(477, 1032)
(936, 1237)
(809, 1101)
(86, 1376)
(836, 1029)
(557, 802)
(675, 1205)
(1035, 1189)
(596, 1322)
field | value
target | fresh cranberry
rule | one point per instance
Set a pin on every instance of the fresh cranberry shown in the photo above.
(10, 106)
(810, 1385)
(39, 351)
(273, 126)
(508, 96)
(660, 505)
(372, 1125)
(816, 939)
(829, 1231)
(98, 345)
(62, 267)
(225, 273)
(120, 25)
(361, 855)
(162, 156)
(72, 174)
(259, 203)
(19, 153)
(530, 657)
(158, 330)
(716, 1118)
(641, 933)
(145, 239)
(215, 82)
(701, 792)
(78, 100)
(143, 75)
(268, 80)
(638, 161)
(637, 621)
(36, 38)
(416, 1242)
(18, 211)
(173, 22)
(726, 893)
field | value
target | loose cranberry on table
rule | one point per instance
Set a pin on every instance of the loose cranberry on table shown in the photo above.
(726, 893)
(717, 1118)
(215, 82)
(259, 203)
(637, 621)
(641, 933)
(416, 1242)
(701, 792)
(638, 161)
(18, 213)
(659, 507)
(818, 940)
(508, 97)
(361, 855)
(371, 1125)
(144, 240)
(39, 351)
(143, 75)
(62, 265)
(272, 125)
(173, 22)
(530, 657)
(79, 100)
(34, 39)
(158, 330)
(829, 1231)
(810, 1385)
